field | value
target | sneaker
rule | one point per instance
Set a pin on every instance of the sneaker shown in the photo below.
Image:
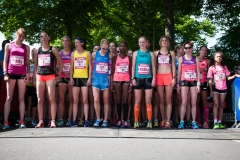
(149, 124)
(188, 124)
(97, 123)
(140, 124)
(162, 124)
(126, 125)
(167, 125)
(155, 123)
(129, 123)
(104, 124)
(199, 123)
(33, 123)
(91, 121)
(181, 125)
(53, 124)
(136, 125)
(22, 125)
(216, 126)
(221, 126)
(81, 122)
(6, 125)
(205, 125)
(144, 123)
(194, 125)
(40, 125)
(73, 124)
(68, 124)
(60, 123)
(86, 124)
(119, 124)
(49, 123)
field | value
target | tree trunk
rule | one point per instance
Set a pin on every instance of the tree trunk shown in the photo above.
(169, 21)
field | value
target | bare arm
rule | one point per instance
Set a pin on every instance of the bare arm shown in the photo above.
(179, 69)
(89, 65)
(28, 61)
(173, 64)
(198, 70)
(71, 66)
(153, 65)
(134, 63)
(5, 61)
(56, 53)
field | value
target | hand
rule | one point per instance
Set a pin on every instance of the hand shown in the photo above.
(134, 82)
(198, 89)
(211, 94)
(173, 82)
(58, 78)
(178, 89)
(26, 79)
(71, 82)
(6, 78)
(89, 82)
(112, 87)
(130, 89)
(153, 82)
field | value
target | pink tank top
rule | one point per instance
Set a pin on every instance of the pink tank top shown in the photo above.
(189, 70)
(203, 75)
(17, 59)
(122, 69)
(66, 60)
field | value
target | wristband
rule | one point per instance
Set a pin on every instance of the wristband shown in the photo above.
(198, 84)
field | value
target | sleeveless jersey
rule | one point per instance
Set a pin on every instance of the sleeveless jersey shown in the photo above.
(101, 65)
(17, 59)
(46, 62)
(203, 75)
(66, 60)
(122, 69)
(80, 69)
(30, 83)
(143, 65)
(164, 59)
(189, 71)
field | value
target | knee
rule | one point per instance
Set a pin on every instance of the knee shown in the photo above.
(168, 100)
(51, 100)
(148, 101)
(40, 100)
(106, 101)
(60, 100)
(75, 100)
(215, 104)
(8, 99)
(85, 101)
(96, 100)
(161, 101)
(137, 101)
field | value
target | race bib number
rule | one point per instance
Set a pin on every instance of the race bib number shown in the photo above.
(190, 74)
(80, 62)
(102, 68)
(143, 69)
(163, 59)
(66, 67)
(44, 60)
(220, 77)
(17, 60)
(122, 68)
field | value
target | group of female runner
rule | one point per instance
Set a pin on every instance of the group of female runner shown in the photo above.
(115, 80)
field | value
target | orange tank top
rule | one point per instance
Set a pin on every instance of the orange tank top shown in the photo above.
(122, 69)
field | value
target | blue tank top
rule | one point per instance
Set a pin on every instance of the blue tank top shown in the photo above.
(101, 65)
(143, 65)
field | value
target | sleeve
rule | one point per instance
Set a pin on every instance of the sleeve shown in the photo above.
(210, 72)
(227, 71)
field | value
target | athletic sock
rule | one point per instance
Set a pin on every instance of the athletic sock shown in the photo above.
(149, 112)
(136, 112)
(219, 121)
(215, 120)
(206, 113)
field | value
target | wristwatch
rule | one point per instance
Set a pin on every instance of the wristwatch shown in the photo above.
(5, 73)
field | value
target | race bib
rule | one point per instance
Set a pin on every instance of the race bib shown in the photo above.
(44, 60)
(66, 67)
(17, 60)
(163, 59)
(102, 68)
(220, 76)
(31, 68)
(122, 68)
(190, 74)
(143, 69)
(80, 62)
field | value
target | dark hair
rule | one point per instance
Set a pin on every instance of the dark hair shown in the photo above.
(82, 40)
(178, 46)
(4, 43)
(96, 45)
(125, 42)
(114, 43)
(43, 31)
(222, 63)
(188, 42)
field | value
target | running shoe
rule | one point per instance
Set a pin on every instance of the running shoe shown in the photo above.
(86, 124)
(167, 125)
(140, 124)
(81, 122)
(104, 124)
(68, 124)
(6, 125)
(181, 125)
(129, 123)
(60, 123)
(194, 125)
(136, 125)
(40, 125)
(162, 124)
(144, 123)
(53, 124)
(155, 124)
(126, 125)
(149, 124)
(91, 121)
(22, 125)
(199, 123)
(49, 123)
(119, 124)
(97, 123)
(205, 125)
(34, 123)
(221, 126)
(215, 126)
(188, 124)
(73, 124)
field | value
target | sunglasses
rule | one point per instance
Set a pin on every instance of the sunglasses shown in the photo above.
(104, 49)
(188, 47)
(43, 36)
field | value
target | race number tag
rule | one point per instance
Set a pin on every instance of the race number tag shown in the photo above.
(80, 62)
(220, 76)
(143, 69)
(163, 59)
(44, 60)
(190, 74)
(102, 68)
(122, 68)
(17, 60)
(66, 67)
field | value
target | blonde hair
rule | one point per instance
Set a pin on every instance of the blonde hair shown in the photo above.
(143, 38)
(160, 40)
(21, 31)
(66, 38)
(104, 41)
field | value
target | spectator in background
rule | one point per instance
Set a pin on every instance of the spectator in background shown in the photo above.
(1, 60)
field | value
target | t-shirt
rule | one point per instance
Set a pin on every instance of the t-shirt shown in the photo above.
(219, 73)
(1, 59)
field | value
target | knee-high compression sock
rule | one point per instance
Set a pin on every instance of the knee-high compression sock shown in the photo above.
(206, 113)
(149, 112)
(125, 111)
(119, 110)
(136, 112)
(198, 114)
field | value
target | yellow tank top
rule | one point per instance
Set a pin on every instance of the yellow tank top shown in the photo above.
(80, 67)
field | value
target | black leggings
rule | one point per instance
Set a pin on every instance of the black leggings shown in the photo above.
(121, 90)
